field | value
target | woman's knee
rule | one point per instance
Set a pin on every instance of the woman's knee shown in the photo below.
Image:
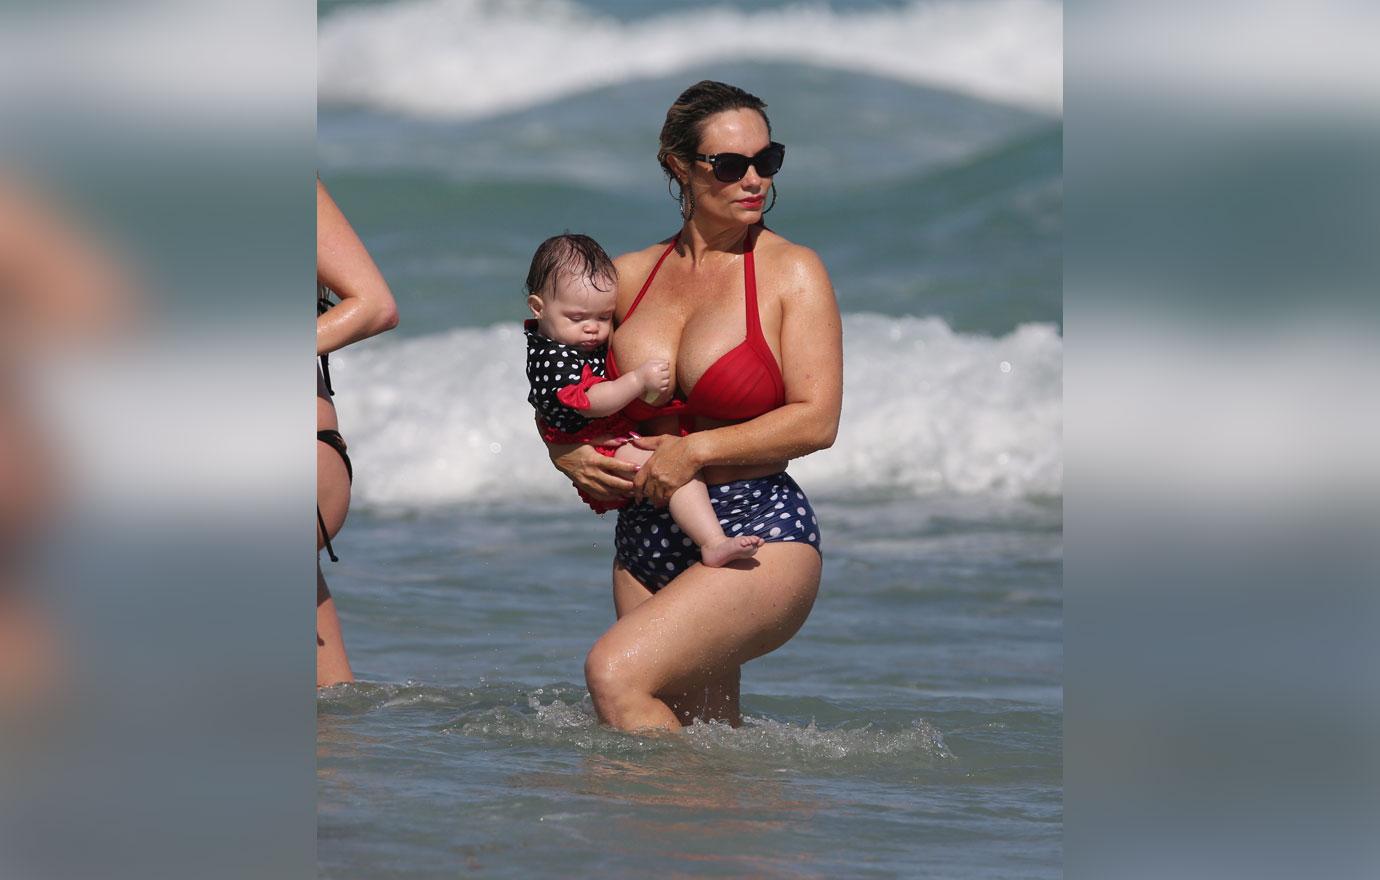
(602, 674)
(611, 683)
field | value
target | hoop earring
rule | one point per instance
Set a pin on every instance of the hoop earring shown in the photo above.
(687, 203)
(679, 199)
(773, 198)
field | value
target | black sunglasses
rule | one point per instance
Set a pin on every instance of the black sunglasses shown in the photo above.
(730, 167)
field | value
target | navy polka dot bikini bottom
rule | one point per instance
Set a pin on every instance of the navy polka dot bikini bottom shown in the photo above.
(654, 550)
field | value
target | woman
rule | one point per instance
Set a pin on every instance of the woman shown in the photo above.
(366, 308)
(750, 326)
(61, 291)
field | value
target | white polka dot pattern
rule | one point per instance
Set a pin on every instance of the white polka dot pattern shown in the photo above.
(546, 381)
(743, 507)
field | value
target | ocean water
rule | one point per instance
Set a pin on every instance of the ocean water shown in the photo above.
(913, 727)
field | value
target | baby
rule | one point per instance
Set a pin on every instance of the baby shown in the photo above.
(572, 286)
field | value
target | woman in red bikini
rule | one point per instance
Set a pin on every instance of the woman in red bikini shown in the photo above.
(749, 324)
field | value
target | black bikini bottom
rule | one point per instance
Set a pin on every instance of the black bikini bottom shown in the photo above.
(331, 437)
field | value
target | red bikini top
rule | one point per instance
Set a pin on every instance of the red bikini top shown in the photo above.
(742, 384)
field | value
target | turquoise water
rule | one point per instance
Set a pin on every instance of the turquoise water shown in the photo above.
(913, 727)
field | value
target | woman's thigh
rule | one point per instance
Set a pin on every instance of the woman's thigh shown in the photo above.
(628, 592)
(708, 621)
(711, 697)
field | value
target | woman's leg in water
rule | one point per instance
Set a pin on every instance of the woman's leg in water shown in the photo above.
(333, 499)
(713, 699)
(692, 635)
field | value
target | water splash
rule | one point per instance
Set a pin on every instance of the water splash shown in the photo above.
(562, 715)
(795, 745)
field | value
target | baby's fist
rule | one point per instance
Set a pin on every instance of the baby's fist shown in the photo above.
(656, 376)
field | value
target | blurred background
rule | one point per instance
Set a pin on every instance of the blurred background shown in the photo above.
(156, 252)
(1222, 486)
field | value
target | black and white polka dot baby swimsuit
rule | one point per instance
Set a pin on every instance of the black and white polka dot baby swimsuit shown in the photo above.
(551, 366)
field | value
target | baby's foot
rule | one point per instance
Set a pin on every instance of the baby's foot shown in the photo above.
(725, 550)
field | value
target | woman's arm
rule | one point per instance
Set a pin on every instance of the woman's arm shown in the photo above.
(59, 283)
(812, 367)
(601, 477)
(649, 381)
(366, 304)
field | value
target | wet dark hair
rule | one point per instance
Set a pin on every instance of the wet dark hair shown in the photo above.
(570, 252)
(680, 135)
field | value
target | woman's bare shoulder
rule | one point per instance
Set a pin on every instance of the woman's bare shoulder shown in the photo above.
(634, 267)
(644, 258)
(794, 264)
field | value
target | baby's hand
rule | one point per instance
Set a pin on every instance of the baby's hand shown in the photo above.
(656, 379)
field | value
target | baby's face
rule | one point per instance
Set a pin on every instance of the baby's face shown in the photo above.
(576, 312)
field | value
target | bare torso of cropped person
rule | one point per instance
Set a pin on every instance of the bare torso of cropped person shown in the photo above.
(325, 410)
(692, 317)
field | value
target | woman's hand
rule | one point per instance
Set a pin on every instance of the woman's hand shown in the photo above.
(672, 465)
(599, 476)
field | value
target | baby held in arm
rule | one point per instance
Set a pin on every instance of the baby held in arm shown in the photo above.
(572, 289)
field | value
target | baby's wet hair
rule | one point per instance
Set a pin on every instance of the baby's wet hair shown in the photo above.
(570, 252)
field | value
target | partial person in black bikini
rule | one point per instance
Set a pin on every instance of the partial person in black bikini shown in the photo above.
(749, 324)
(366, 308)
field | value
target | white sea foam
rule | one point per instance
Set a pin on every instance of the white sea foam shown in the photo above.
(472, 58)
(563, 715)
(444, 418)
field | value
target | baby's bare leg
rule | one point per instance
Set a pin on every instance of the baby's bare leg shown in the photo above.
(691, 510)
